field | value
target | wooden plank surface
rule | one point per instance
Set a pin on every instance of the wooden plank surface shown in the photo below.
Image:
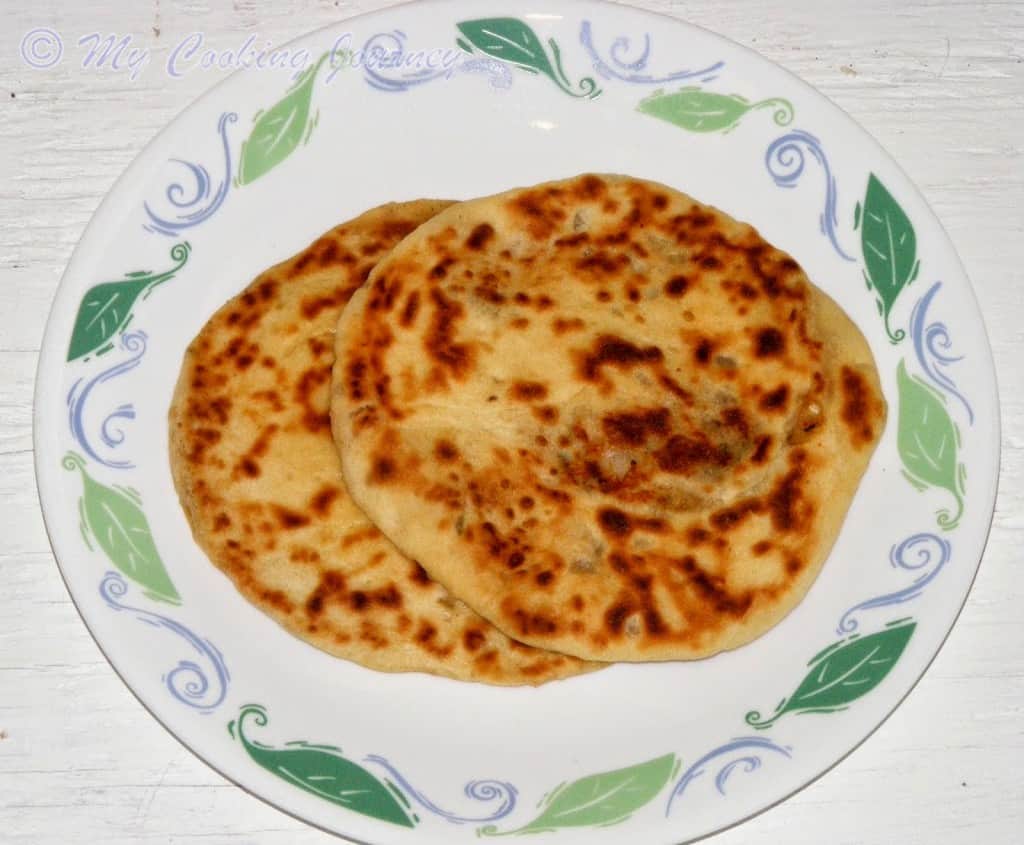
(940, 84)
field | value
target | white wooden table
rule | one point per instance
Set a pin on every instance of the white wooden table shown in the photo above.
(940, 84)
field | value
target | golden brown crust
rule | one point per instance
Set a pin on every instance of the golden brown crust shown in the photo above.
(260, 480)
(614, 421)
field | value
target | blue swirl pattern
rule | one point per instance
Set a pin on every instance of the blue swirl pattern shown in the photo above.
(187, 682)
(785, 161)
(750, 762)
(498, 73)
(932, 344)
(78, 397)
(931, 552)
(191, 210)
(619, 66)
(478, 790)
(393, 43)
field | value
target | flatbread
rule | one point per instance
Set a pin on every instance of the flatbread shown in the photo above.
(260, 480)
(614, 421)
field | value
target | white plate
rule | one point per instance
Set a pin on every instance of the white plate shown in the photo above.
(262, 165)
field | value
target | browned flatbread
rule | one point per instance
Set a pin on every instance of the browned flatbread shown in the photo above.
(616, 422)
(261, 484)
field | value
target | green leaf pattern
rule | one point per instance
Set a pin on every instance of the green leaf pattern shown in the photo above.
(697, 110)
(928, 442)
(322, 771)
(889, 246)
(113, 518)
(603, 799)
(842, 673)
(279, 130)
(510, 40)
(106, 308)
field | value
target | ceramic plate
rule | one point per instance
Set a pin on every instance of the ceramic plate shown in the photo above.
(462, 99)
